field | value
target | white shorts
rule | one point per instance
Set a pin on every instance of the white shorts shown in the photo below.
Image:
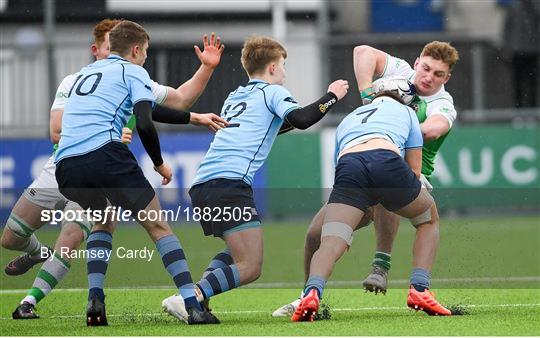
(44, 190)
(425, 183)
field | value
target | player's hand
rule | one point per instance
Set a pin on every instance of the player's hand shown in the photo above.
(212, 121)
(212, 50)
(339, 88)
(127, 134)
(165, 171)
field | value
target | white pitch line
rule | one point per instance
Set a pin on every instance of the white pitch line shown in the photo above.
(404, 281)
(374, 308)
(330, 283)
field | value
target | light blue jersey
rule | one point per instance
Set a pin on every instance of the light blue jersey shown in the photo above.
(386, 118)
(100, 103)
(255, 113)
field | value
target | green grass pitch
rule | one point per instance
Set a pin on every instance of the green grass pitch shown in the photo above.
(491, 266)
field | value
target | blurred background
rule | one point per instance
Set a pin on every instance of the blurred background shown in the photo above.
(486, 181)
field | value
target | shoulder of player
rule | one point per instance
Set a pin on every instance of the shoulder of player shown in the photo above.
(441, 96)
(395, 65)
(132, 66)
(273, 89)
(69, 80)
(155, 84)
(131, 70)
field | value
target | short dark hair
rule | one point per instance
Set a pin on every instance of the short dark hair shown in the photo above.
(390, 94)
(125, 35)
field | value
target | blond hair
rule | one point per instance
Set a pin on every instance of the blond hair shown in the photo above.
(441, 51)
(259, 51)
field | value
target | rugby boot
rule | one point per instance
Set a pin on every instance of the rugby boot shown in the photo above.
(198, 317)
(174, 305)
(425, 301)
(287, 309)
(25, 311)
(21, 264)
(308, 307)
(95, 313)
(377, 281)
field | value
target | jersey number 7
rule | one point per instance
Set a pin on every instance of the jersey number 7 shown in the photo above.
(368, 112)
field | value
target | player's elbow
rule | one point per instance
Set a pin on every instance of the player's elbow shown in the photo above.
(431, 134)
(360, 52)
(55, 137)
(301, 126)
(176, 100)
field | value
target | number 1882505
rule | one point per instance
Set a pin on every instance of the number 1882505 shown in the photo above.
(219, 214)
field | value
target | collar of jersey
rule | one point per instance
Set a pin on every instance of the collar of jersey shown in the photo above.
(384, 98)
(254, 81)
(114, 56)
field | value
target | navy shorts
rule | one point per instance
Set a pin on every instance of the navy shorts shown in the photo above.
(371, 177)
(108, 173)
(224, 206)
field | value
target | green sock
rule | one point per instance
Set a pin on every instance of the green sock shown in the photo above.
(33, 247)
(382, 260)
(51, 272)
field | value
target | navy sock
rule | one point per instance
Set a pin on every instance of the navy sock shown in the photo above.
(420, 279)
(174, 259)
(98, 246)
(315, 282)
(219, 280)
(219, 261)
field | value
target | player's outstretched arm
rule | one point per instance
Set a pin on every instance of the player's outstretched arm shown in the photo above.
(170, 116)
(210, 120)
(367, 62)
(183, 97)
(303, 118)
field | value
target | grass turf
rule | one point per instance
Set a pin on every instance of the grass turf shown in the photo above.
(247, 312)
(475, 260)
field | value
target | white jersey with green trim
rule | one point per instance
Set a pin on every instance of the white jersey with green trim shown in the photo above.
(440, 103)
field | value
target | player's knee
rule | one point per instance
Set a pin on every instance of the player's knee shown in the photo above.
(337, 231)
(9, 239)
(74, 232)
(333, 247)
(430, 218)
(313, 237)
(434, 215)
(256, 272)
(157, 230)
(4, 239)
(251, 270)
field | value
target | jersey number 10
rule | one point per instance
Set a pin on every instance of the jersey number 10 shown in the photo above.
(94, 86)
